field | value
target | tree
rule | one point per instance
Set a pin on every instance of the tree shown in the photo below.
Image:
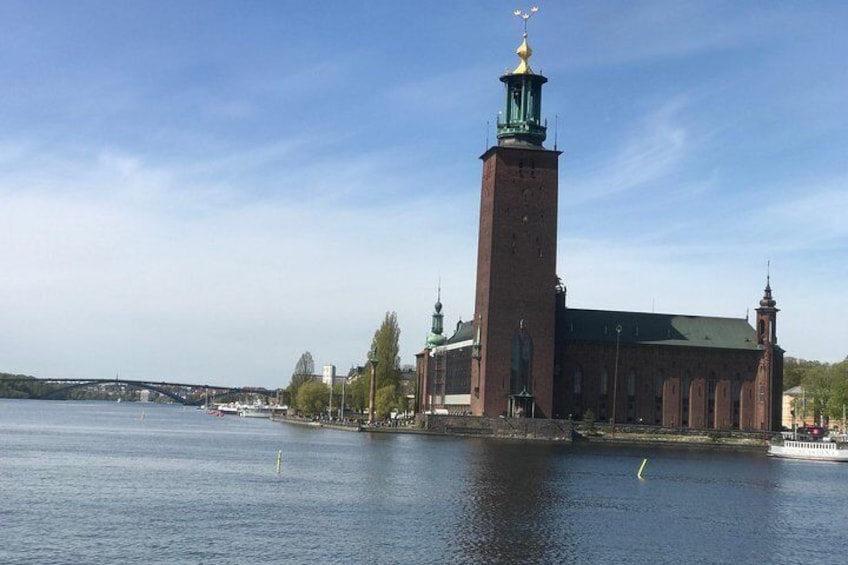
(386, 340)
(296, 382)
(356, 394)
(818, 387)
(385, 402)
(839, 390)
(305, 365)
(303, 372)
(312, 398)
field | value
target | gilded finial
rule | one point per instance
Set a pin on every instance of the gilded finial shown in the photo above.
(524, 51)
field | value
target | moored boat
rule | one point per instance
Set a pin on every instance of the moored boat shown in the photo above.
(828, 449)
(255, 411)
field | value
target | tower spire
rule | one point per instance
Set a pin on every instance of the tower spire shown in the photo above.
(436, 336)
(767, 316)
(524, 51)
(768, 276)
(522, 121)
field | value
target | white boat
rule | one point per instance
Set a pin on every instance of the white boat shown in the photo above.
(255, 411)
(231, 409)
(824, 450)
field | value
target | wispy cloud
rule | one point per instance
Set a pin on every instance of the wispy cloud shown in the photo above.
(150, 255)
(215, 197)
(654, 149)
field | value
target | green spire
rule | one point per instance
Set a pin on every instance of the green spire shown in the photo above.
(521, 120)
(436, 338)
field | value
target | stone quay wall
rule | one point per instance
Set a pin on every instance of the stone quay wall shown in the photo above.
(479, 426)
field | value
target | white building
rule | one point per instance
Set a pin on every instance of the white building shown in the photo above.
(329, 377)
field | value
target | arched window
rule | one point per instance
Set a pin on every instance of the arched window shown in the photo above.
(631, 383)
(604, 381)
(520, 378)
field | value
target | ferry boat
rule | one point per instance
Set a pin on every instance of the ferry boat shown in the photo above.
(255, 411)
(826, 449)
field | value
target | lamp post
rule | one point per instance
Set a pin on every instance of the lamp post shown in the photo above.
(341, 408)
(615, 378)
(372, 390)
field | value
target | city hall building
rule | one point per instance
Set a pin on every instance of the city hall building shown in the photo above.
(527, 354)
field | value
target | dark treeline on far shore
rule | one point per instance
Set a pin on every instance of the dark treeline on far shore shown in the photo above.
(28, 387)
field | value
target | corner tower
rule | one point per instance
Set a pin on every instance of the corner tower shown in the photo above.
(513, 368)
(769, 380)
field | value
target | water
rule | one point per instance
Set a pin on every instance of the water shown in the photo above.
(95, 482)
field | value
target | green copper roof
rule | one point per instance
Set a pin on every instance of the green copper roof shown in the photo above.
(659, 329)
(434, 340)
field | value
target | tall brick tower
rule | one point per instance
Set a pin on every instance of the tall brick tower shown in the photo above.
(769, 380)
(513, 367)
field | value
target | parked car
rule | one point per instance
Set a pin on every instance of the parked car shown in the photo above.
(811, 433)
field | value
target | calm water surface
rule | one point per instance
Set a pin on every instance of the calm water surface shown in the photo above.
(97, 482)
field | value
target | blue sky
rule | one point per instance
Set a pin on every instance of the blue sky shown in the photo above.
(201, 191)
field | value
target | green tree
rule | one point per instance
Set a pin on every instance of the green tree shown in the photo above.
(296, 382)
(818, 387)
(385, 401)
(303, 371)
(793, 372)
(312, 398)
(357, 394)
(386, 340)
(839, 398)
(305, 365)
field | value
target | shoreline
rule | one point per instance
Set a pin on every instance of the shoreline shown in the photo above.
(739, 441)
(680, 441)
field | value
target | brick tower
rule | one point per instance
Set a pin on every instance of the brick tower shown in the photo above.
(513, 367)
(769, 380)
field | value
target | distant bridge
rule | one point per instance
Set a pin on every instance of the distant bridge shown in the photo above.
(183, 393)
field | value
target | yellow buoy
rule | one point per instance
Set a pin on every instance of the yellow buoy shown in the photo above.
(642, 468)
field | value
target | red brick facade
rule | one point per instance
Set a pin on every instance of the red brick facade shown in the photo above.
(669, 386)
(516, 278)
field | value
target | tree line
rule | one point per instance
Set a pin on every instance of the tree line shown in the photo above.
(25, 387)
(825, 387)
(311, 397)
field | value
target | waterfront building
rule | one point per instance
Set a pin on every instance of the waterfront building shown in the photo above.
(526, 353)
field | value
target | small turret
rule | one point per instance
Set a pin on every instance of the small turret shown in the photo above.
(767, 317)
(436, 337)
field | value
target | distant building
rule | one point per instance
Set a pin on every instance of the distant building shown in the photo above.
(329, 375)
(796, 410)
(525, 353)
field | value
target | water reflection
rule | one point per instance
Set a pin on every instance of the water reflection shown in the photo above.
(510, 505)
(203, 489)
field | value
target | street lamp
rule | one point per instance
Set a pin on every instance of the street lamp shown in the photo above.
(372, 392)
(341, 408)
(330, 406)
(615, 377)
